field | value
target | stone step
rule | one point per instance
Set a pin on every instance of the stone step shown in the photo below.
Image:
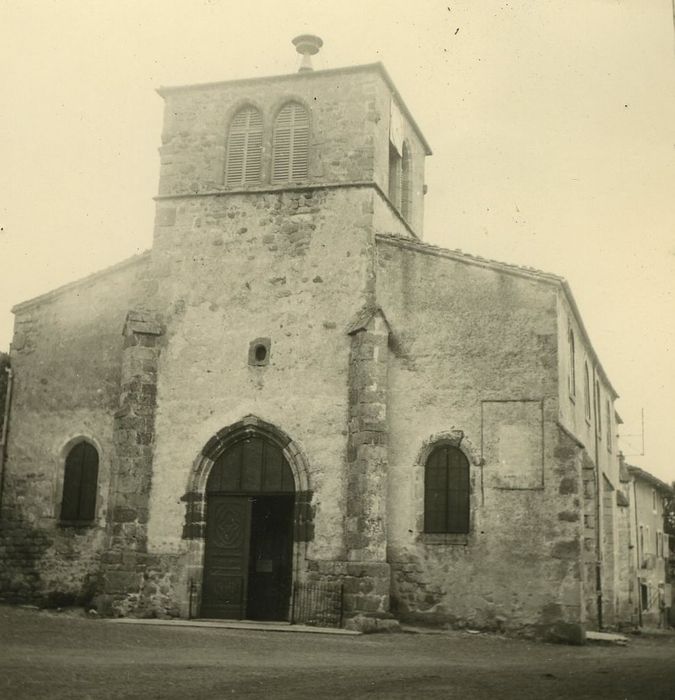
(606, 638)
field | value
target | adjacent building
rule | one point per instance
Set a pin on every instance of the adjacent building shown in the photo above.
(651, 548)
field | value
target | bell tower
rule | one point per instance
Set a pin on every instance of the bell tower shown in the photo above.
(333, 128)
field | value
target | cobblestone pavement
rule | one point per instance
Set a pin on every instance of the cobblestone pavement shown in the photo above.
(65, 655)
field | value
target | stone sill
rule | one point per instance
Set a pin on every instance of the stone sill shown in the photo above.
(78, 524)
(444, 538)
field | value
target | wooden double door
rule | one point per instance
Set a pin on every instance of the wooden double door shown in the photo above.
(249, 535)
(248, 557)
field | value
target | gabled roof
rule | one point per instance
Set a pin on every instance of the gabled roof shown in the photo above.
(52, 293)
(510, 269)
(659, 485)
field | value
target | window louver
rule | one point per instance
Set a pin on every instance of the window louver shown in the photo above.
(291, 144)
(244, 148)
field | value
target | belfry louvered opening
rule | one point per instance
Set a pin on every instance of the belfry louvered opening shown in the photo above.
(291, 144)
(244, 148)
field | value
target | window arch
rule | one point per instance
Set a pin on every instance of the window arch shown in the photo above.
(290, 160)
(406, 183)
(80, 484)
(572, 377)
(244, 148)
(446, 491)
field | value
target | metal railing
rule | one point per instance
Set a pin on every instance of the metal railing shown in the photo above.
(317, 603)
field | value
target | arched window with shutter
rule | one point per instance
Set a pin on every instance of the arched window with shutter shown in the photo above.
(446, 491)
(80, 484)
(244, 148)
(406, 183)
(290, 160)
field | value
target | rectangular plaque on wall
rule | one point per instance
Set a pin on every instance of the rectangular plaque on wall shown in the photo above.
(512, 437)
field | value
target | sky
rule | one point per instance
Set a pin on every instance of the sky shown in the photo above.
(552, 125)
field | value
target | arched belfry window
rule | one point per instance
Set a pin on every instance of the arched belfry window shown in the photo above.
(80, 484)
(446, 491)
(244, 148)
(290, 160)
(406, 183)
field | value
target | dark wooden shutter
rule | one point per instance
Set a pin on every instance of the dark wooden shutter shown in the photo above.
(88, 483)
(291, 144)
(458, 491)
(446, 491)
(244, 148)
(70, 501)
(435, 492)
(80, 484)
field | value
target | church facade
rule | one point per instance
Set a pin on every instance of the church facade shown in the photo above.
(291, 387)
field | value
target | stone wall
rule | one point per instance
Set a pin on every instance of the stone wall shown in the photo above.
(67, 357)
(476, 363)
(294, 268)
(125, 561)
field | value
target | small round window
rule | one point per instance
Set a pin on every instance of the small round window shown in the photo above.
(259, 352)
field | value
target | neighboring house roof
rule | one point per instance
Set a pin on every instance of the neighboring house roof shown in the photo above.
(308, 75)
(48, 296)
(638, 473)
(519, 270)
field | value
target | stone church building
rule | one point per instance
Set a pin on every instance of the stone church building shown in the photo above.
(292, 387)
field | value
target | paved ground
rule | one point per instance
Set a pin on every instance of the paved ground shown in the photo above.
(52, 655)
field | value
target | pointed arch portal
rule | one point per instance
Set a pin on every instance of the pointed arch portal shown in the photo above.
(248, 508)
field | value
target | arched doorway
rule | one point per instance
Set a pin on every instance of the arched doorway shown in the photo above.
(248, 553)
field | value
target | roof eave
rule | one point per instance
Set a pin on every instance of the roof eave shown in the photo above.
(165, 90)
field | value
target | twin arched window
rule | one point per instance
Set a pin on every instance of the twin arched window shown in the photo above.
(80, 484)
(290, 146)
(446, 491)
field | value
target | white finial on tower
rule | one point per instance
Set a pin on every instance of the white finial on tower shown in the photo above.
(307, 45)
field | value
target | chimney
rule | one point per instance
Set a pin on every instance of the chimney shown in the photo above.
(307, 45)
